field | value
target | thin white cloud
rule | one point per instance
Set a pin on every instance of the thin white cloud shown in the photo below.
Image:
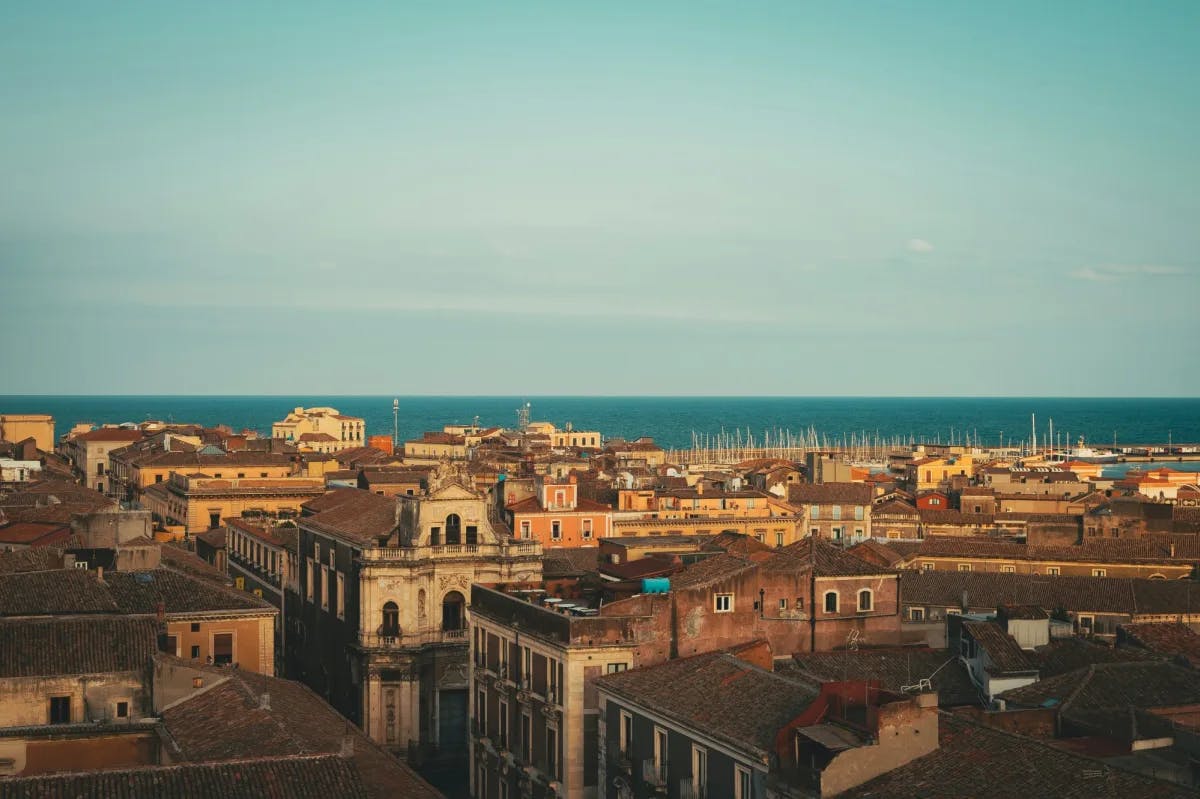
(1112, 272)
(919, 245)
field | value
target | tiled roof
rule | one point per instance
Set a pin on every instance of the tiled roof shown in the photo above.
(74, 591)
(649, 566)
(896, 669)
(710, 570)
(309, 777)
(876, 552)
(358, 515)
(1140, 684)
(34, 559)
(181, 560)
(141, 592)
(989, 590)
(50, 647)
(830, 493)
(110, 434)
(268, 717)
(34, 533)
(735, 544)
(54, 593)
(569, 561)
(719, 695)
(1002, 649)
(895, 507)
(1166, 638)
(828, 559)
(974, 761)
(1063, 655)
(1111, 550)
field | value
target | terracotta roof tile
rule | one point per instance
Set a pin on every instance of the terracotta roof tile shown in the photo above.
(718, 694)
(56, 646)
(830, 493)
(977, 761)
(307, 777)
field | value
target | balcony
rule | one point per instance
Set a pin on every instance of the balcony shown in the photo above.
(690, 789)
(654, 773)
(385, 639)
(449, 552)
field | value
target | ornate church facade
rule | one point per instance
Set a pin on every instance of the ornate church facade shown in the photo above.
(383, 587)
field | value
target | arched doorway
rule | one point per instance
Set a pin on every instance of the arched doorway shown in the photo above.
(391, 621)
(453, 529)
(453, 617)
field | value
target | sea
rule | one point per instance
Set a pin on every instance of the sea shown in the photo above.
(674, 421)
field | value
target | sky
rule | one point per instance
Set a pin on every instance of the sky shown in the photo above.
(794, 198)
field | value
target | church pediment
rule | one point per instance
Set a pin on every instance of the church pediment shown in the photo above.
(452, 491)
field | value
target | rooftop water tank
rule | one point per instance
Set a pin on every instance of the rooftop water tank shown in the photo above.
(656, 585)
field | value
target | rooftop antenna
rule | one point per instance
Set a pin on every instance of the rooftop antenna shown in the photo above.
(395, 423)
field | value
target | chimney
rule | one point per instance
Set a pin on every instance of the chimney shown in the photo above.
(347, 746)
(264, 701)
(100, 574)
(964, 606)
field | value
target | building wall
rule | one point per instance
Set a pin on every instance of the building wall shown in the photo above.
(253, 639)
(40, 755)
(1169, 571)
(768, 530)
(348, 431)
(838, 522)
(571, 527)
(16, 427)
(25, 701)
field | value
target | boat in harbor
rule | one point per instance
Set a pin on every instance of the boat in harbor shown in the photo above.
(1083, 453)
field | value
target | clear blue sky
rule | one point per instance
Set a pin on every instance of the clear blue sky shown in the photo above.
(600, 198)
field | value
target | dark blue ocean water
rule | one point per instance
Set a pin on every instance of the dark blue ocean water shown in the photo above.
(671, 420)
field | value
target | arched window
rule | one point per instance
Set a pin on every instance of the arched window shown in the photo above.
(1158, 577)
(453, 617)
(864, 599)
(831, 602)
(453, 529)
(391, 621)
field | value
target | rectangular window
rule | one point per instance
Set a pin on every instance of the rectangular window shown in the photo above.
(916, 614)
(526, 736)
(783, 604)
(1086, 623)
(1052, 570)
(926, 566)
(660, 753)
(552, 752)
(859, 513)
(195, 651)
(122, 710)
(743, 787)
(779, 539)
(308, 592)
(1006, 569)
(723, 603)
(60, 710)
(223, 648)
(587, 529)
(325, 588)
(626, 732)
(964, 567)
(481, 712)
(1099, 572)
(502, 719)
(556, 530)
(172, 646)
(814, 531)
(341, 596)
(816, 513)
(699, 767)
(837, 512)
(614, 668)
(526, 528)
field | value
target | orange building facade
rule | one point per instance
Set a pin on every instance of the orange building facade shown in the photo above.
(557, 517)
